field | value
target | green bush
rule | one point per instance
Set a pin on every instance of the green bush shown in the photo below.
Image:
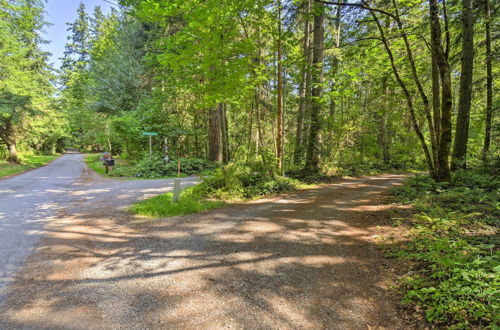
(155, 166)
(454, 248)
(236, 181)
(150, 166)
(123, 171)
(189, 166)
(279, 184)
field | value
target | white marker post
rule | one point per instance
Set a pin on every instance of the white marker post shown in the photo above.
(177, 185)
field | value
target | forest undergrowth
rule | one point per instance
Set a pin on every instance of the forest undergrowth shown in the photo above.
(451, 260)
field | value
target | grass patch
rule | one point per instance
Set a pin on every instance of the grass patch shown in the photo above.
(134, 170)
(123, 168)
(27, 163)
(162, 205)
(453, 258)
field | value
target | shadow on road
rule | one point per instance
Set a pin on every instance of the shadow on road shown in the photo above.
(306, 260)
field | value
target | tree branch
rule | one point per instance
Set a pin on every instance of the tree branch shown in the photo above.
(358, 5)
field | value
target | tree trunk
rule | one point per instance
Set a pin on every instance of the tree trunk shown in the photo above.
(11, 146)
(489, 82)
(313, 148)
(214, 134)
(259, 141)
(302, 87)
(465, 97)
(279, 122)
(436, 108)
(226, 154)
(258, 116)
(383, 134)
(335, 62)
(308, 90)
(443, 168)
(7, 135)
(250, 132)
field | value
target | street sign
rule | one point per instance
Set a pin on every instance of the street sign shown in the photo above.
(150, 134)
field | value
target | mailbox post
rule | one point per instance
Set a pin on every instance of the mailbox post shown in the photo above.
(108, 161)
(109, 165)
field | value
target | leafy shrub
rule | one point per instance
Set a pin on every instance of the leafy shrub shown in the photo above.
(123, 171)
(459, 280)
(455, 248)
(279, 184)
(471, 180)
(189, 166)
(332, 175)
(155, 166)
(150, 166)
(235, 181)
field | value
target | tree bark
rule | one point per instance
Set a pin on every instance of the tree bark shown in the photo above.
(7, 135)
(465, 97)
(302, 87)
(436, 108)
(308, 92)
(226, 151)
(383, 134)
(443, 168)
(250, 132)
(335, 62)
(313, 148)
(11, 146)
(279, 122)
(489, 81)
(214, 134)
(260, 134)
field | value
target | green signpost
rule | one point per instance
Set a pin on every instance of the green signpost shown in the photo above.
(150, 134)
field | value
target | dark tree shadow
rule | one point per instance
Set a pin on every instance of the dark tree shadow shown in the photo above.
(306, 260)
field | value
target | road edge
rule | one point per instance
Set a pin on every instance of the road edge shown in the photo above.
(31, 169)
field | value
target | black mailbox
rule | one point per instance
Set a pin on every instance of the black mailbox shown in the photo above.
(110, 162)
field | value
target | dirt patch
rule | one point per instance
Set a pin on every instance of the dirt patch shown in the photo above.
(304, 260)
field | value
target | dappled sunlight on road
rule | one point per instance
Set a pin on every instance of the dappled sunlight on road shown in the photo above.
(307, 259)
(31, 201)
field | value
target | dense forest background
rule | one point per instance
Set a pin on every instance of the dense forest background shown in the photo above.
(298, 86)
(262, 97)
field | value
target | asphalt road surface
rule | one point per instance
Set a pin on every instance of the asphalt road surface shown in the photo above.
(28, 202)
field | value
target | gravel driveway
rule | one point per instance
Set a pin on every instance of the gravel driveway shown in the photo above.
(30, 201)
(304, 260)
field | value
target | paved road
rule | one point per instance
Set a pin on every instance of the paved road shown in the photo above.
(30, 200)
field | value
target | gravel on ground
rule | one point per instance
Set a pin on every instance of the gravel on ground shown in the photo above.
(32, 200)
(306, 260)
